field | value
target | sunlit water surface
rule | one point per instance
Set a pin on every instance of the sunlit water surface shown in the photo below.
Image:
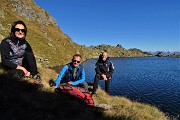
(152, 80)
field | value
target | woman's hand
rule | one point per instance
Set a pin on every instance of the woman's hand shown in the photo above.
(27, 73)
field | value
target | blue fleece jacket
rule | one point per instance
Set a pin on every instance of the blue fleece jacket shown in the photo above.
(63, 73)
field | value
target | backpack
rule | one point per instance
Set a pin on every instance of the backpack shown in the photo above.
(77, 92)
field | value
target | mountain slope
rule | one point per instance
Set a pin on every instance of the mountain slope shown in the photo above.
(50, 45)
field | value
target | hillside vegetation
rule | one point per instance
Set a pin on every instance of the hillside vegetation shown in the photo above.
(20, 99)
(50, 45)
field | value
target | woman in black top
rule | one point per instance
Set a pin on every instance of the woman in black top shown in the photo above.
(17, 55)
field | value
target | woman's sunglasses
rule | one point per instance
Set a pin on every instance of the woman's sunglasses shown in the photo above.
(76, 61)
(22, 30)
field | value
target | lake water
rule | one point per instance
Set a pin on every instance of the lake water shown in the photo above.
(152, 80)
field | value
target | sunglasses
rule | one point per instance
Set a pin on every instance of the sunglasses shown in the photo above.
(17, 29)
(76, 61)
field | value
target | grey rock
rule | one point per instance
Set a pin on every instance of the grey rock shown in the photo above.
(1, 27)
(50, 45)
(105, 106)
(2, 14)
(28, 13)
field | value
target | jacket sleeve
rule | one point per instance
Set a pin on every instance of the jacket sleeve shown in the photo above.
(61, 75)
(28, 48)
(81, 80)
(97, 69)
(5, 55)
(111, 69)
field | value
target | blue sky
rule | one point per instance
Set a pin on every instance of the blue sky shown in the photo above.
(149, 25)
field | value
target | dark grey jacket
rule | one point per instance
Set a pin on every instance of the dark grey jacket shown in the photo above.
(104, 67)
(13, 52)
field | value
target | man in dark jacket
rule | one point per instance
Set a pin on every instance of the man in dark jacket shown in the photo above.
(104, 70)
(73, 74)
(17, 55)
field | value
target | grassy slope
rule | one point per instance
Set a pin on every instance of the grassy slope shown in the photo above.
(49, 42)
(22, 100)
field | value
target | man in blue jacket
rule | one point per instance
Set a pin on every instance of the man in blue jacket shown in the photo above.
(73, 73)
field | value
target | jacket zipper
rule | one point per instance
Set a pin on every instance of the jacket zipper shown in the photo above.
(20, 61)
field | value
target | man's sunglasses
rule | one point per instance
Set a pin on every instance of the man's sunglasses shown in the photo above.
(17, 29)
(76, 61)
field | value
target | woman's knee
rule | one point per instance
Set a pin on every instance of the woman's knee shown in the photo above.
(17, 72)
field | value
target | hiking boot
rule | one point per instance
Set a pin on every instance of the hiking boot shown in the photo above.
(37, 79)
(52, 83)
(94, 92)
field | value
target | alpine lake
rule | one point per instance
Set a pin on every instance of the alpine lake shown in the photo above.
(150, 80)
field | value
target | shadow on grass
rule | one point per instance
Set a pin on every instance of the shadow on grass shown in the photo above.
(20, 100)
(57, 69)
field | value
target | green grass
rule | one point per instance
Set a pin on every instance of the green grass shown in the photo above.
(20, 99)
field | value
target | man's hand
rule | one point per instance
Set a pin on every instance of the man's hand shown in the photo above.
(70, 83)
(52, 83)
(104, 77)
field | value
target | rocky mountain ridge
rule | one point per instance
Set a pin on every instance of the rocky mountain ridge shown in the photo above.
(50, 45)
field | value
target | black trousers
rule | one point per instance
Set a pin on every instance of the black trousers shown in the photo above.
(83, 85)
(96, 82)
(28, 62)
